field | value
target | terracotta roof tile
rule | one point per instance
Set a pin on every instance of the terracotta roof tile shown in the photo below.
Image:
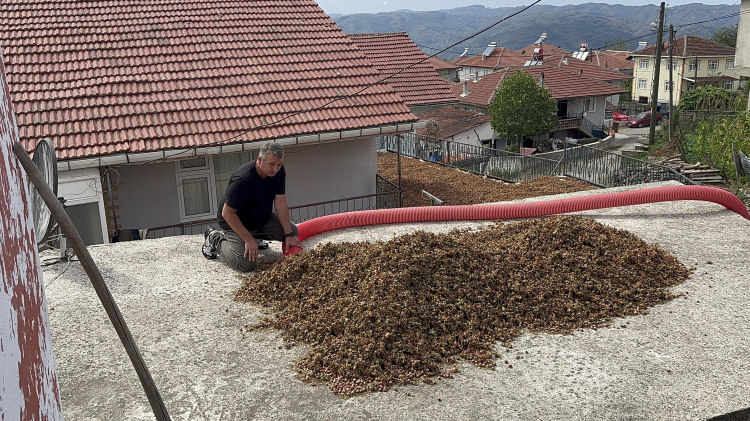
(584, 67)
(440, 64)
(548, 49)
(691, 46)
(390, 53)
(561, 83)
(499, 57)
(106, 77)
(451, 121)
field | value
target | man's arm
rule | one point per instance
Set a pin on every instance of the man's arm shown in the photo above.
(282, 210)
(251, 247)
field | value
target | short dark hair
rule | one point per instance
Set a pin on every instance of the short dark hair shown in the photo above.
(276, 150)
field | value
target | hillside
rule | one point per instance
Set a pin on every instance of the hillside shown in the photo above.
(566, 26)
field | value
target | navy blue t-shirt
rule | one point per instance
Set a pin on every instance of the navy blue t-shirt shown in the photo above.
(252, 196)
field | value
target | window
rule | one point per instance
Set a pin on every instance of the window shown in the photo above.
(644, 63)
(729, 84)
(642, 84)
(693, 65)
(713, 64)
(195, 192)
(643, 100)
(203, 181)
(691, 85)
(674, 65)
(730, 64)
(588, 104)
(667, 86)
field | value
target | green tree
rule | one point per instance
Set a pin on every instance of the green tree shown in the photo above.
(709, 98)
(522, 107)
(726, 35)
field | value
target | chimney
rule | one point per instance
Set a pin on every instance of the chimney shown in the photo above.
(466, 89)
(541, 79)
(476, 76)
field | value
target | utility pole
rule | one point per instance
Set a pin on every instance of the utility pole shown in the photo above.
(671, 91)
(657, 67)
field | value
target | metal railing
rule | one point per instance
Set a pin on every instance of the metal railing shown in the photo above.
(387, 195)
(602, 168)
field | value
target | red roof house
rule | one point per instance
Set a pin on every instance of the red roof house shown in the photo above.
(135, 88)
(399, 59)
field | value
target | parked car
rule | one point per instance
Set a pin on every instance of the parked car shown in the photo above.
(619, 116)
(643, 119)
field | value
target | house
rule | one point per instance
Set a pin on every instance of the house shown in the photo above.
(611, 76)
(620, 61)
(581, 99)
(447, 70)
(492, 59)
(151, 107)
(397, 58)
(449, 123)
(696, 61)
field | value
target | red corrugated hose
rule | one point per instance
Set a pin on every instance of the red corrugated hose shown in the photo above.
(518, 210)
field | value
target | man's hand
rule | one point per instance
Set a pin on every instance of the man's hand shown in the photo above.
(293, 242)
(251, 250)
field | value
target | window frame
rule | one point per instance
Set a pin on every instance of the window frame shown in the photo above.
(667, 86)
(645, 84)
(730, 83)
(713, 65)
(590, 101)
(730, 60)
(692, 66)
(206, 171)
(643, 63)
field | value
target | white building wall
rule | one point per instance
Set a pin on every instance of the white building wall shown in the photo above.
(148, 195)
(80, 188)
(742, 53)
(484, 132)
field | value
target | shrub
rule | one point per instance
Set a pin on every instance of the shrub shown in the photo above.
(711, 143)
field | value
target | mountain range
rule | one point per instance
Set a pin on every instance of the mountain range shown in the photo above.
(597, 24)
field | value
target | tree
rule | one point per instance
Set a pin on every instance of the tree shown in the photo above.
(708, 98)
(726, 35)
(521, 107)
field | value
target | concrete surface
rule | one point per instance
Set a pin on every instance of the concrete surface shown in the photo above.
(688, 359)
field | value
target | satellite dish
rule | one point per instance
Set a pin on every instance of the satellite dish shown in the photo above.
(45, 161)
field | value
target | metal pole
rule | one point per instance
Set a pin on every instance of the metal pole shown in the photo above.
(398, 154)
(105, 296)
(656, 82)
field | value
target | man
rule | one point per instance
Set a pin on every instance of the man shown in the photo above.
(246, 212)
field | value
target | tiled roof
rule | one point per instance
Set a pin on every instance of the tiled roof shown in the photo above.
(610, 61)
(691, 46)
(548, 49)
(562, 84)
(440, 64)
(392, 52)
(585, 68)
(500, 57)
(451, 121)
(102, 78)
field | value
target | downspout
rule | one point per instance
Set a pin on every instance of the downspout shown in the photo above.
(111, 200)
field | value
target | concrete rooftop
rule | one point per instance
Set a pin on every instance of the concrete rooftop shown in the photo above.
(688, 359)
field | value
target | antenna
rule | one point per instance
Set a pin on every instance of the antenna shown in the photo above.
(45, 161)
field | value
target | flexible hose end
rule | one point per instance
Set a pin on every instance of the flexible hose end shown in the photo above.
(292, 250)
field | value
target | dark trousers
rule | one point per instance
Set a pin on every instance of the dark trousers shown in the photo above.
(232, 247)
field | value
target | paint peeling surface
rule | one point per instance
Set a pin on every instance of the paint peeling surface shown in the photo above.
(28, 377)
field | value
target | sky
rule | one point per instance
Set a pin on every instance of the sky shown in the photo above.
(375, 6)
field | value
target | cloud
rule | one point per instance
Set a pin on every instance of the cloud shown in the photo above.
(385, 3)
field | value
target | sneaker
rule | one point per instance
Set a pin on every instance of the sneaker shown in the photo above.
(262, 244)
(209, 252)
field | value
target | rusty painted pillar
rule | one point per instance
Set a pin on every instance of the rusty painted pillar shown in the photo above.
(28, 376)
